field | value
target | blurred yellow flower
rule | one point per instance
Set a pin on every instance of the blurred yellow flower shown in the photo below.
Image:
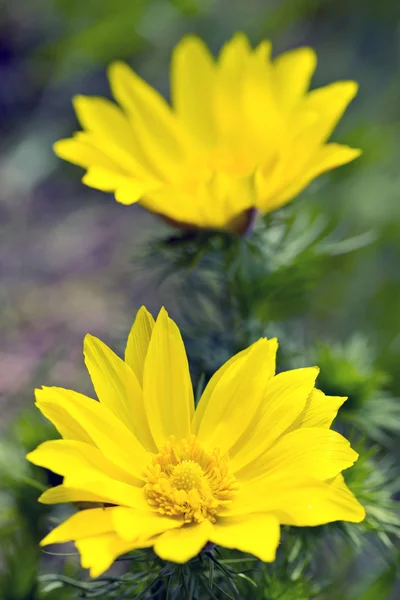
(257, 452)
(243, 132)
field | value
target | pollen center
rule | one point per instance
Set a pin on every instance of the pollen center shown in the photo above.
(187, 476)
(184, 480)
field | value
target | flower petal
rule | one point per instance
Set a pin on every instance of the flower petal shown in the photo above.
(180, 545)
(284, 399)
(329, 103)
(135, 525)
(102, 490)
(66, 457)
(292, 73)
(69, 428)
(232, 69)
(298, 500)
(85, 523)
(107, 180)
(82, 150)
(109, 434)
(138, 342)
(320, 410)
(160, 133)
(256, 534)
(167, 387)
(112, 131)
(113, 491)
(210, 387)
(324, 159)
(313, 452)
(193, 76)
(117, 388)
(99, 551)
(61, 494)
(237, 396)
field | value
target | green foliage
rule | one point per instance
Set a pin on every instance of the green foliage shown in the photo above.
(351, 369)
(375, 480)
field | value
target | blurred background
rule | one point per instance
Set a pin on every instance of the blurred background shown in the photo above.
(67, 252)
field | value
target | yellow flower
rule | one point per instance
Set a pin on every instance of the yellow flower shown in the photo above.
(257, 452)
(243, 133)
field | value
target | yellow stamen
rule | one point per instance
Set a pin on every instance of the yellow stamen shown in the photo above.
(184, 480)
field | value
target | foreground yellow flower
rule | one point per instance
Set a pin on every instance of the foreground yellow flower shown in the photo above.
(243, 132)
(257, 452)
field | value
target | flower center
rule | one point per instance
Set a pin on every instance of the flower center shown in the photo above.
(184, 480)
(187, 476)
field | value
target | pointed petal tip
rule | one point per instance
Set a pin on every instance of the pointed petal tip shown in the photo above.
(356, 152)
(60, 145)
(356, 455)
(144, 314)
(117, 69)
(37, 392)
(349, 88)
(163, 314)
(127, 196)
(274, 342)
(43, 499)
(88, 340)
(362, 513)
(44, 541)
(240, 36)
(190, 39)
(79, 101)
(29, 456)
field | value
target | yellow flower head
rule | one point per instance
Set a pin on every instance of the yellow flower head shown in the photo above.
(257, 452)
(243, 132)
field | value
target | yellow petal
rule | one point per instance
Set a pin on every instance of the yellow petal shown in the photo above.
(111, 490)
(66, 457)
(313, 452)
(81, 150)
(284, 400)
(138, 342)
(85, 487)
(69, 428)
(161, 136)
(292, 73)
(61, 494)
(111, 131)
(107, 180)
(211, 203)
(111, 436)
(210, 387)
(264, 116)
(237, 396)
(296, 500)
(319, 411)
(329, 103)
(135, 525)
(232, 67)
(192, 87)
(92, 521)
(256, 534)
(99, 552)
(343, 494)
(117, 388)
(130, 193)
(180, 545)
(270, 197)
(181, 206)
(167, 387)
